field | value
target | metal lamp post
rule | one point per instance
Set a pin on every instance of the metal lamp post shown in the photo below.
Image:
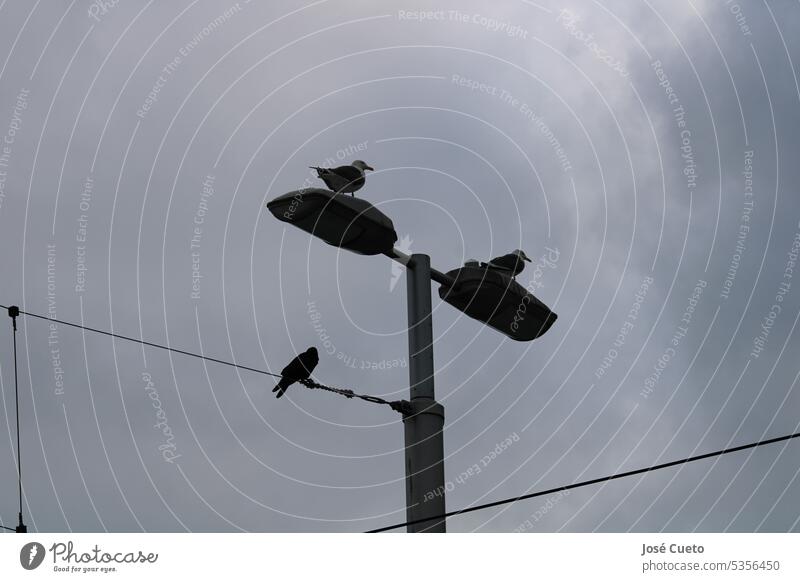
(424, 425)
(492, 298)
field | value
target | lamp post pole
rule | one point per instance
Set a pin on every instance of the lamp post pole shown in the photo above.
(424, 423)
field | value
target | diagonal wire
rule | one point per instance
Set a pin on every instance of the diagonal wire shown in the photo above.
(591, 482)
(396, 405)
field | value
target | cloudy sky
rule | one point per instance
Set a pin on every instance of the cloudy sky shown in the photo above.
(643, 154)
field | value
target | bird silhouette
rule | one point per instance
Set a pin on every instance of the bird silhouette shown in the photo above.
(299, 368)
(344, 178)
(512, 263)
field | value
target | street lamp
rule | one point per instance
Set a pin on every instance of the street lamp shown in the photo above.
(341, 221)
(486, 295)
(494, 298)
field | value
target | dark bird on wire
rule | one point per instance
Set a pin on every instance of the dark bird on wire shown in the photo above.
(299, 368)
(512, 263)
(344, 178)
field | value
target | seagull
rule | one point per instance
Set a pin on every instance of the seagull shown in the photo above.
(512, 262)
(299, 368)
(344, 178)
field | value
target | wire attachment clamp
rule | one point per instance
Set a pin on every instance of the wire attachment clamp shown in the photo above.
(397, 405)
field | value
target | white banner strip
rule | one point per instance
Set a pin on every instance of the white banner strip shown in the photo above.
(355, 557)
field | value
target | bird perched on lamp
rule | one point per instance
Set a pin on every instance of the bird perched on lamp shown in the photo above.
(298, 369)
(512, 263)
(344, 178)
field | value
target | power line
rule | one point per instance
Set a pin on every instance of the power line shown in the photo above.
(590, 482)
(147, 343)
(395, 405)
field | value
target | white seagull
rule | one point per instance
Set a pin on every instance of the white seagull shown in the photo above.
(344, 178)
